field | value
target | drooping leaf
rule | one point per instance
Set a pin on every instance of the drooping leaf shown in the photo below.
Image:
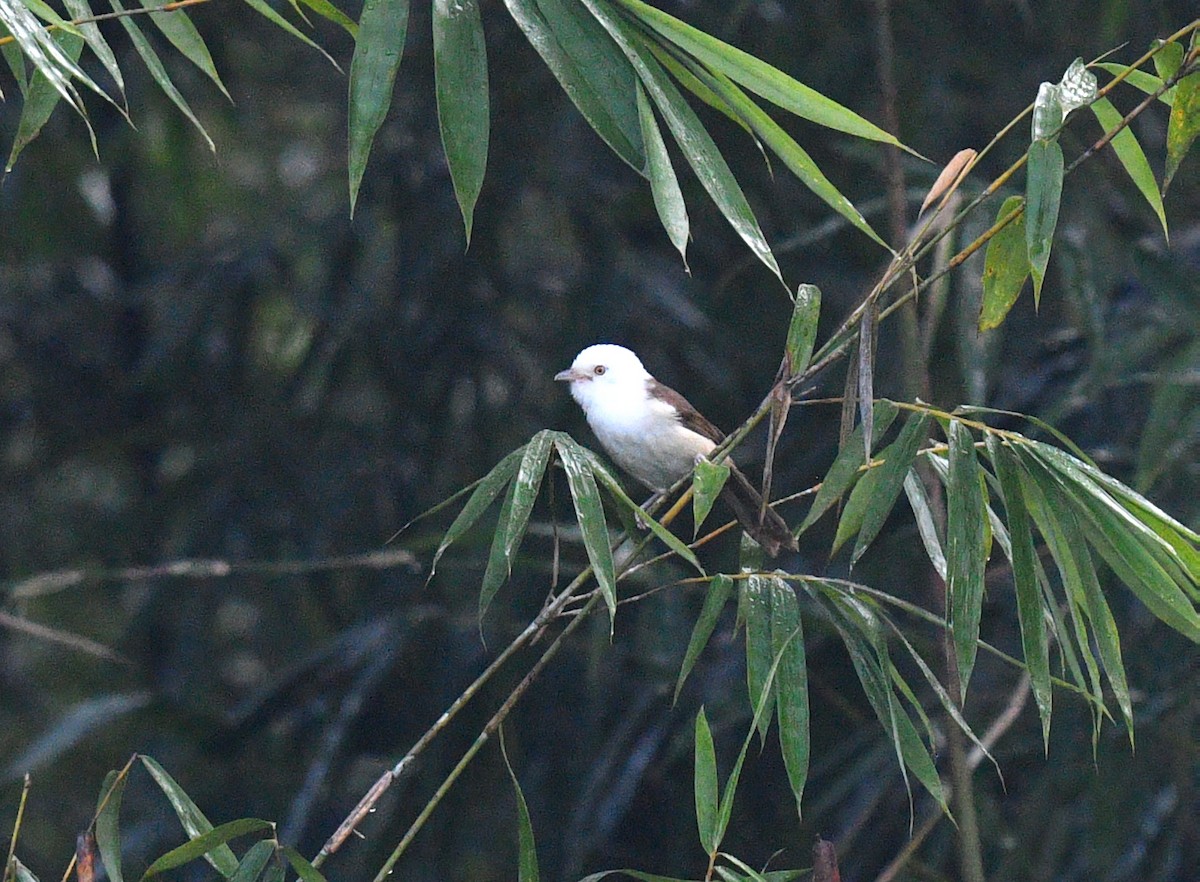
(305, 870)
(927, 525)
(1005, 267)
(589, 511)
(591, 69)
(720, 587)
(41, 97)
(193, 820)
(527, 862)
(791, 685)
(965, 552)
(1184, 123)
(759, 77)
(254, 861)
(382, 28)
(755, 605)
(1132, 157)
(461, 78)
(201, 845)
(890, 481)
(159, 72)
(664, 186)
(802, 330)
(182, 34)
(1043, 192)
(264, 8)
(846, 465)
(328, 11)
(108, 824)
(80, 9)
(708, 479)
(485, 493)
(1030, 612)
(705, 784)
(693, 139)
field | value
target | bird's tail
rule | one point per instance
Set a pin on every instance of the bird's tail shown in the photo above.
(767, 528)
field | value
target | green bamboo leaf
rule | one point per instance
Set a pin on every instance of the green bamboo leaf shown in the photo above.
(705, 784)
(254, 861)
(759, 77)
(601, 473)
(382, 28)
(499, 563)
(41, 97)
(1005, 267)
(695, 142)
(1043, 191)
(793, 155)
(1030, 612)
(927, 526)
(802, 330)
(664, 186)
(273, 873)
(589, 510)
(1140, 79)
(526, 484)
(755, 606)
(707, 481)
(40, 47)
(108, 824)
(1167, 59)
(305, 870)
(200, 846)
(591, 69)
(193, 820)
(182, 34)
(1129, 151)
(965, 553)
(79, 9)
(1184, 123)
(889, 482)
(527, 862)
(328, 11)
(720, 587)
(846, 464)
(692, 82)
(791, 685)
(20, 872)
(461, 78)
(485, 493)
(159, 72)
(263, 8)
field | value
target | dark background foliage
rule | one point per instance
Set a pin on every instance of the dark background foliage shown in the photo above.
(203, 357)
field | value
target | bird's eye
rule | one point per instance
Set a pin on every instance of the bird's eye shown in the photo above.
(599, 370)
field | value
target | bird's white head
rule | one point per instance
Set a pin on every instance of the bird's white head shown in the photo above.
(605, 372)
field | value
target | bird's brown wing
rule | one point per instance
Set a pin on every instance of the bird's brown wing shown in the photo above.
(689, 417)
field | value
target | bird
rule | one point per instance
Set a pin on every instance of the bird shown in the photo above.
(654, 433)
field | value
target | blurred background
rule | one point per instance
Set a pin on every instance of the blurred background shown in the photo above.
(203, 357)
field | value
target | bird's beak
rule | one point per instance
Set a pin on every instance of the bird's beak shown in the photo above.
(570, 375)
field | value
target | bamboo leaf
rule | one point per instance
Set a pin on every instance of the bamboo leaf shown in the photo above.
(802, 330)
(461, 79)
(846, 464)
(591, 69)
(791, 685)
(264, 8)
(1005, 267)
(527, 862)
(708, 479)
(664, 186)
(1043, 191)
(254, 861)
(601, 473)
(926, 522)
(965, 553)
(1141, 79)
(305, 870)
(79, 9)
(759, 77)
(755, 606)
(885, 489)
(1184, 123)
(382, 28)
(108, 824)
(589, 510)
(328, 11)
(182, 34)
(705, 783)
(720, 587)
(1030, 612)
(1132, 157)
(159, 72)
(496, 573)
(41, 97)
(193, 820)
(201, 845)
(695, 142)
(485, 493)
